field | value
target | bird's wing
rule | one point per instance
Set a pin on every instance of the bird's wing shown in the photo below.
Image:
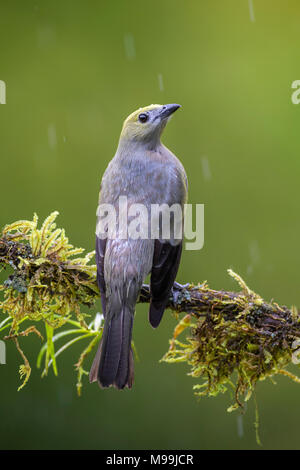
(100, 253)
(166, 261)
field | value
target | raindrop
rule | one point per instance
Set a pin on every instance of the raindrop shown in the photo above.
(160, 82)
(129, 46)
(251, 11)
(254, 252)
(52, 138)
(249, 269)
(254, 256)
(240, 426)
(206, 168)
(45, 36)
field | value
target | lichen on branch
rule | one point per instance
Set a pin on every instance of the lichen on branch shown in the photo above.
(230, 340)
(233, 339)
(50, 282)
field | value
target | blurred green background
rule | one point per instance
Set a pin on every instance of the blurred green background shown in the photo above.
(74, 71)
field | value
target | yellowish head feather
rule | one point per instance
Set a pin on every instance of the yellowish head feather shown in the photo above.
(145, 125)
(135, 115)
(134, 129)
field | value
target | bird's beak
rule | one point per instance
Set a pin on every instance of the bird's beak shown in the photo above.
(168, 109)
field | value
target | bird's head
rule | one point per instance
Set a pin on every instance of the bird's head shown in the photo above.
(146, 124)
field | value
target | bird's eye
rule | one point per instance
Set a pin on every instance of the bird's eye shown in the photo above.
(143, 117)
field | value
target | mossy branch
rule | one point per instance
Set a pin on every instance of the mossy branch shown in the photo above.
(233, 339)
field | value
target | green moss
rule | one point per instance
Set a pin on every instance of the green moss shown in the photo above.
(48, 284)
(233, 341)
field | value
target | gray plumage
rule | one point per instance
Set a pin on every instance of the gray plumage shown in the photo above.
(146, 172)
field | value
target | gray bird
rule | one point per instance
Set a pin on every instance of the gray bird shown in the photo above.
(146, 172)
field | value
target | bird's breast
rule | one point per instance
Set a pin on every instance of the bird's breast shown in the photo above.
(147, 179)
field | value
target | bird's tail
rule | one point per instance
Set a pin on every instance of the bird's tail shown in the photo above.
(113, 363)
